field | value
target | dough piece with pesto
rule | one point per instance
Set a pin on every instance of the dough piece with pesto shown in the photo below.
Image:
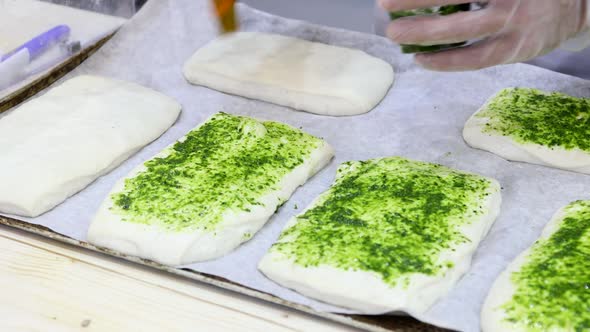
(53, 146)
(546, 288)
(300, 74)
(209, 192)
(390, 235)
(528, 125)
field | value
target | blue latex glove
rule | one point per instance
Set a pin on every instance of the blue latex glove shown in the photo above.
(506, 31)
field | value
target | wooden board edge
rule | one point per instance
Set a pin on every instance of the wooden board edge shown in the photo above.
(382, 323)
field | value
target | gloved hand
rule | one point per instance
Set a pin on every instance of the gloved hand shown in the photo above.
(507, 31)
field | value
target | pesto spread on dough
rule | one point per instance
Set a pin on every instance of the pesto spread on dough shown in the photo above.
(532, 116)
(228, 163)
(390, 216)
(553, 286)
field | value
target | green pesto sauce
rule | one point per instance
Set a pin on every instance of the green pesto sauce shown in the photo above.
(228, 163)
(388, 216)
(532, 116)
(553, 286)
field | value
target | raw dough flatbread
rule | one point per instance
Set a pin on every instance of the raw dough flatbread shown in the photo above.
(390, 235)
(546, 288)
(54, 146)
(205, 195)
(304, 75)
(536, 127)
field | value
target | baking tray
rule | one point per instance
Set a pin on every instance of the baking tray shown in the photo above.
(422, 118)
(381, 323)
(368, 323)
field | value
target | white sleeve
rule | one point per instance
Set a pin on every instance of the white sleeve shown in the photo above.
(582, 39)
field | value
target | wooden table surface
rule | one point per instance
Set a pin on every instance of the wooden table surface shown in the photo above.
(50, 286)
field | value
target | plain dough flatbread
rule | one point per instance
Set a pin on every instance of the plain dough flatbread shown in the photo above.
(54, 146)
(304, 75)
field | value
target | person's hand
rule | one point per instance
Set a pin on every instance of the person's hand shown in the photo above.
(507, 31)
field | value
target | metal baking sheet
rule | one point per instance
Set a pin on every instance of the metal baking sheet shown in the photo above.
(420, 118)
(39, 83)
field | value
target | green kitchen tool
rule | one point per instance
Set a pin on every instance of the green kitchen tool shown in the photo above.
(442, 10)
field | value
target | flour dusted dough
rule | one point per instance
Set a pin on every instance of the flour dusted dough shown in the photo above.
(307, 76)
(152, 241)
(506, 147)
(53, 146)
(366, 292)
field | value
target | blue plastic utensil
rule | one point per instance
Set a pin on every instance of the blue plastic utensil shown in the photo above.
(13, 64)
(41, 43)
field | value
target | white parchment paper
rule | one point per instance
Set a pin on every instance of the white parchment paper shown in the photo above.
(420, 118)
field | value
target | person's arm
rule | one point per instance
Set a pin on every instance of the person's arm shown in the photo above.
(506, 31)
(582, 40)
